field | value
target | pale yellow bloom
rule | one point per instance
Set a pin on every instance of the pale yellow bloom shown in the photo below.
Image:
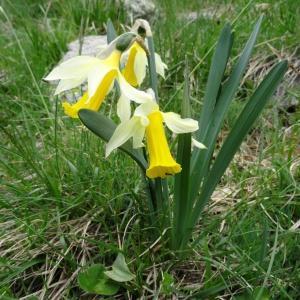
(94, 102)
(147, 120)
(100, 75)
(135, 64)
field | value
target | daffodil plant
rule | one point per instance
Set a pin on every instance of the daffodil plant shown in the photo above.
(178, 185)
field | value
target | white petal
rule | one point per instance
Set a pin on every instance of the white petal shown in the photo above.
(146, 108)
(160, 65)
(68, 84)
(132, 93)
(138, 136)
(106, 51)
(123, 108)
(140, 64)
(122, 134)
(144, 121)
(76, 67)
(197, 144)
(95, 77)
(178, 125)
(124, 58)
(151, 93)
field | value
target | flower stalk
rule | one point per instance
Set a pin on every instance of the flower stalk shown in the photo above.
(161, 185)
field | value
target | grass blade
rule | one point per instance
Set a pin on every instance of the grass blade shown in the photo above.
(201, 160)
(240, 129)
(104, 128)
(7, 277)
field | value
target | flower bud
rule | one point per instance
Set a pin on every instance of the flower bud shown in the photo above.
(125, 40)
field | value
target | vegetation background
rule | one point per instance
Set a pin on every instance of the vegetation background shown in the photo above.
(62, 205)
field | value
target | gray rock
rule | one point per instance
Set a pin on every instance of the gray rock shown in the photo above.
(286, 103)
(210, 13)
(90, 45)
(137, 9)
(261, 7)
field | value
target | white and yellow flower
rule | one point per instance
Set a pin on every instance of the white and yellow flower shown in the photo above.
(135, 58)
(148, 121)
(135, 64)
(100, 74)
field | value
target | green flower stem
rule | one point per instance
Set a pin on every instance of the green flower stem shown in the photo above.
(161, 190)
(152, 67)
(149, 189)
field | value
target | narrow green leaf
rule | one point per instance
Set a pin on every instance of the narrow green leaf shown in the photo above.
(240, 129)
(120, 271)
(216, 72)
(111, 32)
(104, 128)
(94, 280)
(182, 206)
(201, 159)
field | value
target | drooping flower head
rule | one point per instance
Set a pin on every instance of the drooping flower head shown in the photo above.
(135, 60)
(148, 120)
(100, 74)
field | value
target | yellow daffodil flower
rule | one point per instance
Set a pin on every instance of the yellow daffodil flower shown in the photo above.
(135, 63)
(100, 74)
(135, 60)
(148, 121)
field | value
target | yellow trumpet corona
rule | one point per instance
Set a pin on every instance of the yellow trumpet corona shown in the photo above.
(161, 161)
(129, 70)
(135, 63)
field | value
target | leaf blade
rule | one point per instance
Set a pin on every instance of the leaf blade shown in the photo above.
(240, 129)
(216, 73)
(94, 280)
(111, 32)
(201, 160)
(181, 206)
(120, 271)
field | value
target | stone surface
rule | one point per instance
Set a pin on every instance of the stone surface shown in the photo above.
(210, 13)
(262, 6)
(136, 9)
(285, 102)
(91, 45)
